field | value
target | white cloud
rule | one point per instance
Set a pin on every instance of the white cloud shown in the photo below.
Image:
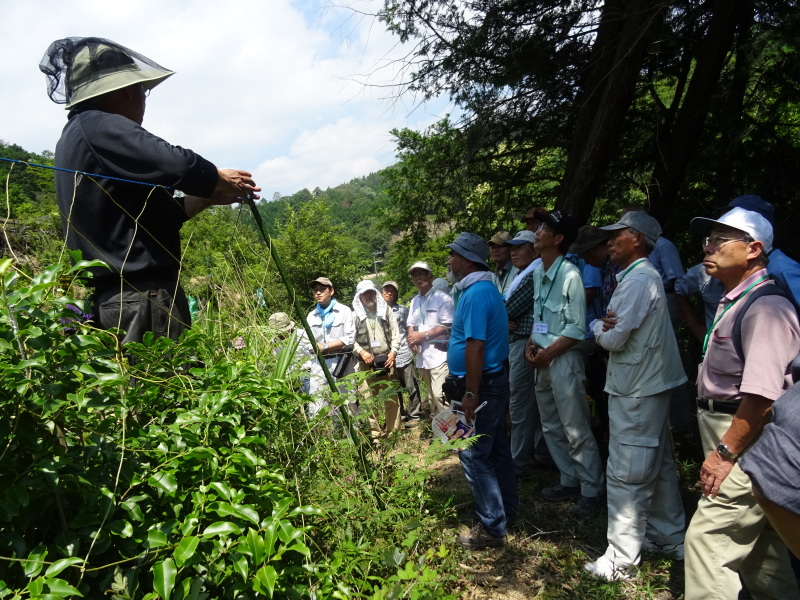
(335, 150)
(271, 87)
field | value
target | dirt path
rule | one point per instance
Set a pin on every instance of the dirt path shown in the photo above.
(546, 548)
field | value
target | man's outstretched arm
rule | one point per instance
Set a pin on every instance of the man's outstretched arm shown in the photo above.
(233, 186)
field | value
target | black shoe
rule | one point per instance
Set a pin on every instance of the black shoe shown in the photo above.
(560, 492)
(479, 538)
(586, 506)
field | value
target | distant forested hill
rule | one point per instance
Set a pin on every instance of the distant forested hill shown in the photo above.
(357, 205)
(31, 228)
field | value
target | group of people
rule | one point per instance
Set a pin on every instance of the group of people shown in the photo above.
(612, 295)
(563, 305)
(629, 310)
(522, 339)
(382, 338)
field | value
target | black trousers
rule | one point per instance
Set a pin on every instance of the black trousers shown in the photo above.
(159, 306)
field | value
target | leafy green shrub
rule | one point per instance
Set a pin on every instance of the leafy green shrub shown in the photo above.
(191, 474)
(160, 478)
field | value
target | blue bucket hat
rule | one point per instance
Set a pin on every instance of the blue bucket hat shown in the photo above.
(472, 247)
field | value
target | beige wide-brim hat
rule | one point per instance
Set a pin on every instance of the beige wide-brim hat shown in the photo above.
(281, 321)
(89, 78)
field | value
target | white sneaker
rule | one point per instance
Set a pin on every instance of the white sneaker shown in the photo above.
(605, 568)
(674, 551)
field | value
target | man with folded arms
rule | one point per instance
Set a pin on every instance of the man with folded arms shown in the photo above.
(645, 511)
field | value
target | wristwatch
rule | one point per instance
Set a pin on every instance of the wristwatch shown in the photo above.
(470, 395)
(723, 451)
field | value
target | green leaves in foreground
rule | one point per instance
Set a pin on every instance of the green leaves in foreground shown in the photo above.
(158, 482)
(185, 476)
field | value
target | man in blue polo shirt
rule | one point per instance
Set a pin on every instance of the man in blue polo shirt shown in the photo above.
(478, 356)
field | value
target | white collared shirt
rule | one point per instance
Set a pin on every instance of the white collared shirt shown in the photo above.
(427, 312)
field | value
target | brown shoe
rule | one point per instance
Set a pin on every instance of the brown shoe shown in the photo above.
(479, 538)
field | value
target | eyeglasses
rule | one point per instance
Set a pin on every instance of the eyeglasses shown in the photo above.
(718, 241)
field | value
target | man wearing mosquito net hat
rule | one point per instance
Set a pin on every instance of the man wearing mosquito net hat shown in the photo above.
(124, 193)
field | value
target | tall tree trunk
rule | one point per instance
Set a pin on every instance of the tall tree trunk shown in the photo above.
(622, 40)
(732, 123)
(674, 156)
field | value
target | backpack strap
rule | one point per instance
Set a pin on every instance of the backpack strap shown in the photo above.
(762, 290)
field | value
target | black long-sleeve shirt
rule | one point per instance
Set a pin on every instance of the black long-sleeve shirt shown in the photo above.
(134, 228)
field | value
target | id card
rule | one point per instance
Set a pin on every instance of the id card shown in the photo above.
(540, 328)
(375, 343)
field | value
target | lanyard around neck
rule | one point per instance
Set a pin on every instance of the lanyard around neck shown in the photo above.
(722, 314)
(423, 311)
(372, 323)
(631, 268)
(552, 285)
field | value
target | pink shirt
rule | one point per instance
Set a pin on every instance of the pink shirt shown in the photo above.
(770, 340)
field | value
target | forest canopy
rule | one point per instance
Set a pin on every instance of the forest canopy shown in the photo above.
(590, 105)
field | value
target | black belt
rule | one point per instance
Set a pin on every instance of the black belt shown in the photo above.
(726, 407)
(485, 375)
(515, 337)
(494, 374)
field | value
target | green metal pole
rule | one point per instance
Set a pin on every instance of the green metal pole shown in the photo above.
(293, 298)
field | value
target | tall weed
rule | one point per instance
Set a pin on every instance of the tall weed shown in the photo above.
(192, 474)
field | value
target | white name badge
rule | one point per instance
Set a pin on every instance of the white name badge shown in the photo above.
(375, 343)
(540, 328)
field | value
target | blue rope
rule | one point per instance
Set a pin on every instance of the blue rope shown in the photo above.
(164, 187)
(22, 162)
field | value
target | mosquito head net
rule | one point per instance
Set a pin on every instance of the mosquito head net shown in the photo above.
(78, 69)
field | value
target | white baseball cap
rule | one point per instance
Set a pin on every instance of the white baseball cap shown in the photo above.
(523, 237)
(752, 223)
(421, 265)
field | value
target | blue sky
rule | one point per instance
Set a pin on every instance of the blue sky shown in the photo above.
(272, 86)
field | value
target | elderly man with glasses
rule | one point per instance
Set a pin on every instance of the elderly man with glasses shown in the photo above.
(729, 540)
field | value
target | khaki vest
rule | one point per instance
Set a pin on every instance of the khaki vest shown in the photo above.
(650, 362)
(362, 334)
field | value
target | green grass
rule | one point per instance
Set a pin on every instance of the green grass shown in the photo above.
(546, 548)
